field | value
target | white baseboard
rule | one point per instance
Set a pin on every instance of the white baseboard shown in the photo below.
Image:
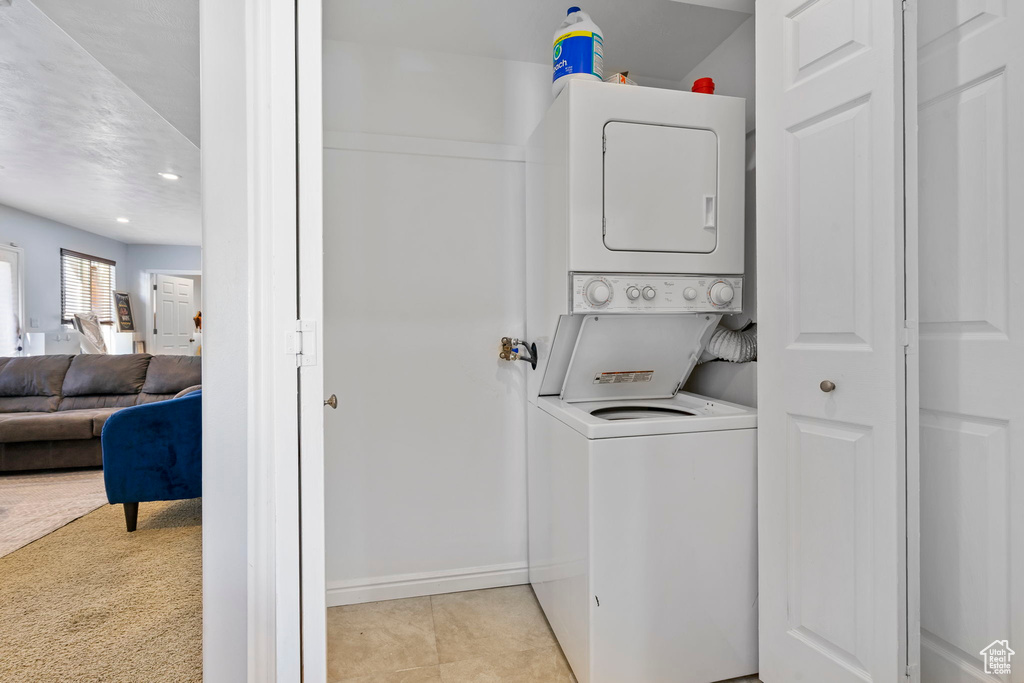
(372, 589)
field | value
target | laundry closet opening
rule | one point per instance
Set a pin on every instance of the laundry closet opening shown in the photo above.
(434, 252)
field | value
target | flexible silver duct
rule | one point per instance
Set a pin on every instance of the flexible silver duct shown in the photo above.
(734, 346)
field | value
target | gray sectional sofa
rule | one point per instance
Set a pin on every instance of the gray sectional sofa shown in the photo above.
(52, 408)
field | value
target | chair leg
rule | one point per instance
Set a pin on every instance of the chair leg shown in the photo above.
(131, 515)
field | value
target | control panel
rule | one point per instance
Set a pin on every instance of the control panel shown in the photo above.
(628, 293)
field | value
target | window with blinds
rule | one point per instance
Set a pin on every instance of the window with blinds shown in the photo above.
(86, 284)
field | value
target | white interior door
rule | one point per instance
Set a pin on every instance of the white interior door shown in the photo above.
(832, 465)
(174, 307)
(971, 106)
(309, 112)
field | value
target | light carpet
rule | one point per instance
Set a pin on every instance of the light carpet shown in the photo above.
(91, 602)
(32, 505)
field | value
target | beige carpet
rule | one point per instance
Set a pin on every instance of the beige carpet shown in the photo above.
(33, 505)
(91, 602)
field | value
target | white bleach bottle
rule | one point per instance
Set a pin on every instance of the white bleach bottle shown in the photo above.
(578, 51)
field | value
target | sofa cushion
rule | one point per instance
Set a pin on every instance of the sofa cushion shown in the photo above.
(33, 375)
(29, 404)
(15, 427)
(94, 402)
(94, 374)
(152, 398)
(99, 418)
(171, 374)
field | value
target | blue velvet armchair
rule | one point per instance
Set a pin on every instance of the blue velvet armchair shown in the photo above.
(153, 452)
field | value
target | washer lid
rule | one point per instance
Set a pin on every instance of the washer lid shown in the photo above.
(635, 356)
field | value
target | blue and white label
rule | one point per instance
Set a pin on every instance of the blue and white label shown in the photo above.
(577, 52)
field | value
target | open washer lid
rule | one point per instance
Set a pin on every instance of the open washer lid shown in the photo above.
(635, 356)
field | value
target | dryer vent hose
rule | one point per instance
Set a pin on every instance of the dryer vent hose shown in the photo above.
(733, 346)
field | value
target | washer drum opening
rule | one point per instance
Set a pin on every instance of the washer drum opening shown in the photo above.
(639, 413)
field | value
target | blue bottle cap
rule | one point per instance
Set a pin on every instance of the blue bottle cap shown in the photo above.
(571, 10)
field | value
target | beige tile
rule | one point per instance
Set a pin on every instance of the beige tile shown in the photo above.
(429, 674)
(489, 622)
(545, 665)
(379, 637)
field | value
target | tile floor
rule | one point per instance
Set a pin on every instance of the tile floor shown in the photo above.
(498, 635)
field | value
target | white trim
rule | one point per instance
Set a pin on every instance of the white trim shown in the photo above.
(401, 144)
(358, 591)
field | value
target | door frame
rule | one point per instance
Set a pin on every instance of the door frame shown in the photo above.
(251, 598)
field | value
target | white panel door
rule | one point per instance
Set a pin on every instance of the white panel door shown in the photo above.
(312, 403)
(174, 307)
(832, 465)
(971, 108)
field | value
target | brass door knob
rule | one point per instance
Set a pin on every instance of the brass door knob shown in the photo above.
(827, 386)
(332, 402)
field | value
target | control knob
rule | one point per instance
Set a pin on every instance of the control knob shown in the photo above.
(689, 293)
(598, 292)
(633, 292)
(721, 293)
(649, 293)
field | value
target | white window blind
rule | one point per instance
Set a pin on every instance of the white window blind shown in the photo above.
(86, 284)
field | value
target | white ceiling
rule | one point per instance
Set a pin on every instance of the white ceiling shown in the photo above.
(659, 39)
(83, 135)
(151, 46)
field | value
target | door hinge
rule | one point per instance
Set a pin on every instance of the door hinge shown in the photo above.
(911, 671)
(301, 343)
(904, 5)
(604, 144)
(909, 336)
(154, 288)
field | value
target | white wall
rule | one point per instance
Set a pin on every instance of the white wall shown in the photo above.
(731, 65)
(42, 240)
(425, 457)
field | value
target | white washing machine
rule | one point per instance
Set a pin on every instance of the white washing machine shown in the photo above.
(642, 499)
(643, 509)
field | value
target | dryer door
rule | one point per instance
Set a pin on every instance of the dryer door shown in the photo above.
(660, 188)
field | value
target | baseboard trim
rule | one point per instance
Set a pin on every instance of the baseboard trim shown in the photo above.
(358, 591)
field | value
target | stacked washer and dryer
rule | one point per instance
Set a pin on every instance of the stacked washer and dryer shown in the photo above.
(642, 497)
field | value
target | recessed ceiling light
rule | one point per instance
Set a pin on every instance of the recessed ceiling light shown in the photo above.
(167, 175)
(122, 219)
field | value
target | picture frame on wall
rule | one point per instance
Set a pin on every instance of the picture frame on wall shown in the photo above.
(125, 317)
